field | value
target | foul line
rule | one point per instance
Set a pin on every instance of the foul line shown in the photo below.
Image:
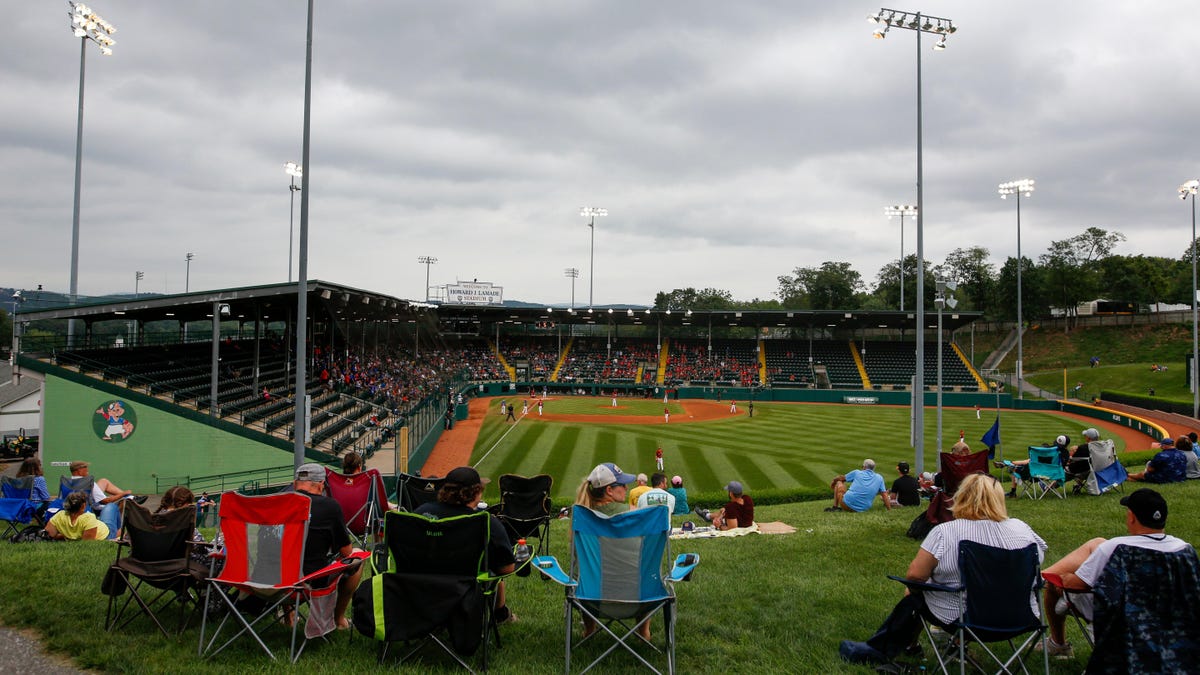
(498, 441)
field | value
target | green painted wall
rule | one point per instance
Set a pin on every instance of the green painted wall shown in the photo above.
(161, 444)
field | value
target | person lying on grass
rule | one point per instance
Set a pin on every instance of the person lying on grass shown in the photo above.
(979, 516)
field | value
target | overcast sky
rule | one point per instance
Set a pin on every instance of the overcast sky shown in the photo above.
(731, 142)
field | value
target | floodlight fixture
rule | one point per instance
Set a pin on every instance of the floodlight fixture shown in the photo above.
(591, 213)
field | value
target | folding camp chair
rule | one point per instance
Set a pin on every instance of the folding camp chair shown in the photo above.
(1147, 613)
(437, 582)
(1107, 473)
(1046, 473)
(524, 508)
(363, 499)
(996, 597)
(17, 508)
(263, 563)
(159, 556)
(417, 490)
(1075, 603)
(617, 580)
(68, 484)
(954, 468)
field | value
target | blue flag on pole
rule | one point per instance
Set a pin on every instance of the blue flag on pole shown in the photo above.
(992, 437)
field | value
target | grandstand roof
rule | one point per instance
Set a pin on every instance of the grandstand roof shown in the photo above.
(277, 302)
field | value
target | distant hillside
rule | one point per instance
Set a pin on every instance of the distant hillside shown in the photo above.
(1051, 349)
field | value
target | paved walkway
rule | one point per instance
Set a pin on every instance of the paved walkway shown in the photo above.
(21, 652)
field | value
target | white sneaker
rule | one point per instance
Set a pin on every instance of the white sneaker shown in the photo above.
(1063, 651)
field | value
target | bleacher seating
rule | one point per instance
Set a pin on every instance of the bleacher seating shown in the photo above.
(596, 360)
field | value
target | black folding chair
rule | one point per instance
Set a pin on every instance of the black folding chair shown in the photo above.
(996, 600)
(524, 509)
(417, 490)
(157, 555)
(437, 588)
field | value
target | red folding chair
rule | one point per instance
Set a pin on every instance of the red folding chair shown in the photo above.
(262, 574)
(363, 499)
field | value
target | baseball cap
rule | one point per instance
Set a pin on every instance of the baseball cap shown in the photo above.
(466, 476)
(687, 526)
(676, 481)
(75, 466)
(1148, 507)
(1091, 434)
(903, 467)
(734, 487)
(1062, 440)
(1166, 442)
(608, 474)
(311, 472)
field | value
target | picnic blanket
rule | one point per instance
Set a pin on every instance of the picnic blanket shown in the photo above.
(710, 532)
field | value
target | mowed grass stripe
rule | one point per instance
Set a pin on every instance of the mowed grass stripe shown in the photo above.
(785, 446)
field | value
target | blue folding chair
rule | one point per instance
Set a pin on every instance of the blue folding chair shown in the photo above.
(617, 579)
(17, 509)
(1046, 473)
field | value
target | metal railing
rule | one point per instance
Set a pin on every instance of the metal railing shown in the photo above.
(218, 483)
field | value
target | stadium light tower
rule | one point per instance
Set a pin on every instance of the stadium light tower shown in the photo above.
(941, 301)
(85, 25)
(1017, 187)
(573, 273)
(299, 398)
(292, 169)
(137, 279)
(591, 213)
(187, 274)
(900, 210)
(1186, 190)
(426, 260)
(918, 23)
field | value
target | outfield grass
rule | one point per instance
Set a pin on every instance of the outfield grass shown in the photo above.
(785, 448)
(759, 603)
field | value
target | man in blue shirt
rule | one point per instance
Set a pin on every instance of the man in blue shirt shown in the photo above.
(1168, 466)
(856, 490)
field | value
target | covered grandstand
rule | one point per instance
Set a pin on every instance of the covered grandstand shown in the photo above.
(217, 396)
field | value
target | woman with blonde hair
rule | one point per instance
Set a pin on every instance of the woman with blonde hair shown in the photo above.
(605, 490)
(980, 516)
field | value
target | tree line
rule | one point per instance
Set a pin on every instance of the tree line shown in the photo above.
(1071, 271)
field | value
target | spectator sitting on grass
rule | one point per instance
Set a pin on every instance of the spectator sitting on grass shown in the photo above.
(1168, 466)
(657, 494)
(737, 512)
(74, 522)
(906, 491)
(864, 485)
(681, 502)
(637, 490)
(1188, 447)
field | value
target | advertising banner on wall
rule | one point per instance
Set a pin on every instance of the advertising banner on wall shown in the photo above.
(474, 293)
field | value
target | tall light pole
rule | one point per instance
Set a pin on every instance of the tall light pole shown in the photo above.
(137, 279)
(573, 273)
(900, 210)
(941, 301)
(292, 169)
(187, 275)
(591, 213)
(427, 260)
(298, 392)
(1017, 187)
(918, 23)
(85, 25)
(1186, 190)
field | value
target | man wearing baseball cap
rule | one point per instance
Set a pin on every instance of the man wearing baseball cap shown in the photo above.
(1169, 465)
(327, 537)
(459, 496)
(737, 512)
(1145, 518)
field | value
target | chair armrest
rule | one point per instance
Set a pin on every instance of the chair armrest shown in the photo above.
(548, 567)
(336, 567)
(684, 564)
(1054, 580)
(925, 586)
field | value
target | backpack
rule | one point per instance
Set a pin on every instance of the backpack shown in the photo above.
(30, 533)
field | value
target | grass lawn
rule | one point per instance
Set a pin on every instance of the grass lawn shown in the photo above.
(784, 448)
(1134, 378)
(759, 603)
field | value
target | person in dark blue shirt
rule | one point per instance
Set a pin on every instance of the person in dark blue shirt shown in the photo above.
(1168, 466)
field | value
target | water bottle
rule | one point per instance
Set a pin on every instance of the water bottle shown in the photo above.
(521, 556)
